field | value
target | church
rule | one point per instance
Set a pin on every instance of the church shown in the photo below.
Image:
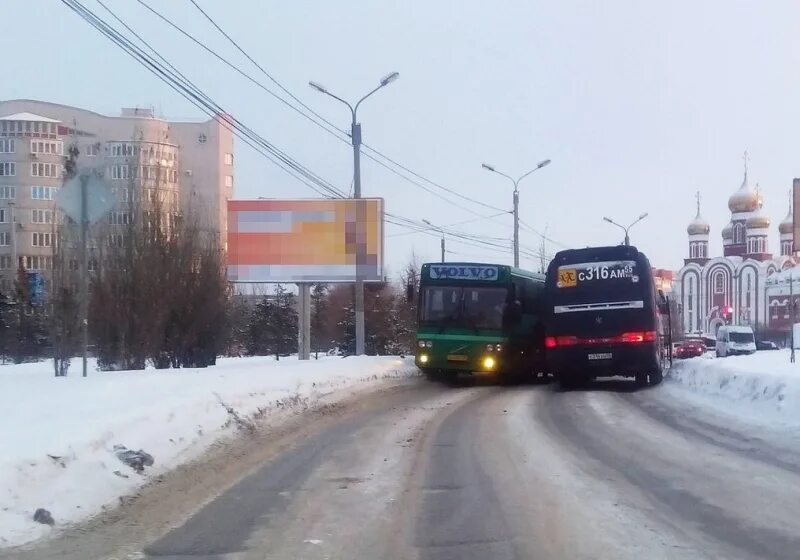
(745, 285)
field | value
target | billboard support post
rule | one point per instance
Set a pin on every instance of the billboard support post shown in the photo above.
(304, 321)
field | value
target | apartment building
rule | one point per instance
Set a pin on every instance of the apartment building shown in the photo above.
(186, 166)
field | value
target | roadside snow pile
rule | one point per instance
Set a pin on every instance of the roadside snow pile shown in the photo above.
(69, 445)
(763, 386)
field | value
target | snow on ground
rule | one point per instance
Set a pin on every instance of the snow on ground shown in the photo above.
(763, 387)
(57, 434)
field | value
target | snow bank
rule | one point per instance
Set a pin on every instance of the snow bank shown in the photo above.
(763, 386)
(57, 434)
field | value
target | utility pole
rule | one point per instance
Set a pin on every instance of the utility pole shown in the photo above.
(515, 210)
(441, 244)
(13, 220)
(791, 303)
(84, 273)
(355, 137)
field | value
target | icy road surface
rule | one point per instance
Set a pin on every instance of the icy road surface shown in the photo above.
(429, 471)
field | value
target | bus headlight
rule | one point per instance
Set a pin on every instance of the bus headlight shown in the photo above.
(421, 344)
(499, 347)
(490, 347)
(429, 344)
(423, 358)
(488, 362)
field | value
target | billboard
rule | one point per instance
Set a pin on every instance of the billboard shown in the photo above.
(308, 240)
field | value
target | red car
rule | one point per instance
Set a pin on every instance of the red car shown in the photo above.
(690, 349)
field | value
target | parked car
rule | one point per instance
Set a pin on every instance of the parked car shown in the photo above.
(690, 349)
(766, 345)
(732, 339)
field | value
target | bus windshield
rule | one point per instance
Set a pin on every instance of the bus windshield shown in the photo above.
(463, 306)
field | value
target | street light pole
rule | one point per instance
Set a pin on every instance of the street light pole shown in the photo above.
(355, 137)
(626, 229)
(515, 210)
(440, 231)
(791, 302)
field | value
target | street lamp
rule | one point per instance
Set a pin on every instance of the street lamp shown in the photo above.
(355, 137)
(491, 168)
(626, 229)
(440, 231)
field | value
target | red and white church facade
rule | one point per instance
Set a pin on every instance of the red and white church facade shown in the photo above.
(746, 285)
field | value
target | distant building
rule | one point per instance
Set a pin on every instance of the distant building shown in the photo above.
(187, 165)
(736, 288)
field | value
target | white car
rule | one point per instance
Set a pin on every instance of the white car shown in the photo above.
(733, 340)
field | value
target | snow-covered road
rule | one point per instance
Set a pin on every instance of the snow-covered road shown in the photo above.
(58, 434)
(414, 469)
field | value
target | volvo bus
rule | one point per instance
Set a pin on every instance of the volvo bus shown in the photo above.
(476, 317)
(605, 316)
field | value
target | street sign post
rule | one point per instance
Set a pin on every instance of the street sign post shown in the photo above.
(85, 198)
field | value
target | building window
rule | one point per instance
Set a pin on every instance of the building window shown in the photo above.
(229, 180)
(123, 149)
(43, 193)
(747, 293)
(737, 233)
(5, 262)
(37, 262)
(8, 146)
(8, 193)
(4, 214)
(719, 283)
(116, 240)
(5, 238)
(8, 169)
(93, 149)
(47, 147)
(120, 172)
(228, 158)
(118, 218)
(173, 176)
(51, 170)
(41, 216)
(202, 138)
(42, 239)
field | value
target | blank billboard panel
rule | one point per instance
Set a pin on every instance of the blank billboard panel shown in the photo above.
(329, 240)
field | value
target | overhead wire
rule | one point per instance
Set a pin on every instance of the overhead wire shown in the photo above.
(180, 83)
(310, 110)
(177, 81)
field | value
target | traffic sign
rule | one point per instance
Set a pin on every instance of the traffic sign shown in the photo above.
(99, 197)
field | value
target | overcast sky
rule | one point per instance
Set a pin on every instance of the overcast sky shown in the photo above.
(637, 104)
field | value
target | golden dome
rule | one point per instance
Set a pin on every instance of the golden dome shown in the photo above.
(787, 225)
(757, 220)
(746, 199)
(727, 231)
(698, 226)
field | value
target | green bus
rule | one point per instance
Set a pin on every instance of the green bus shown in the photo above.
(476, 317)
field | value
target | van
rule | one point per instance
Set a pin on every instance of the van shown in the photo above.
(733, 340)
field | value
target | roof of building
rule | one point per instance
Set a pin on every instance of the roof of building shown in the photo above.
(787, 225)
(28, 117)
(698, 226)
